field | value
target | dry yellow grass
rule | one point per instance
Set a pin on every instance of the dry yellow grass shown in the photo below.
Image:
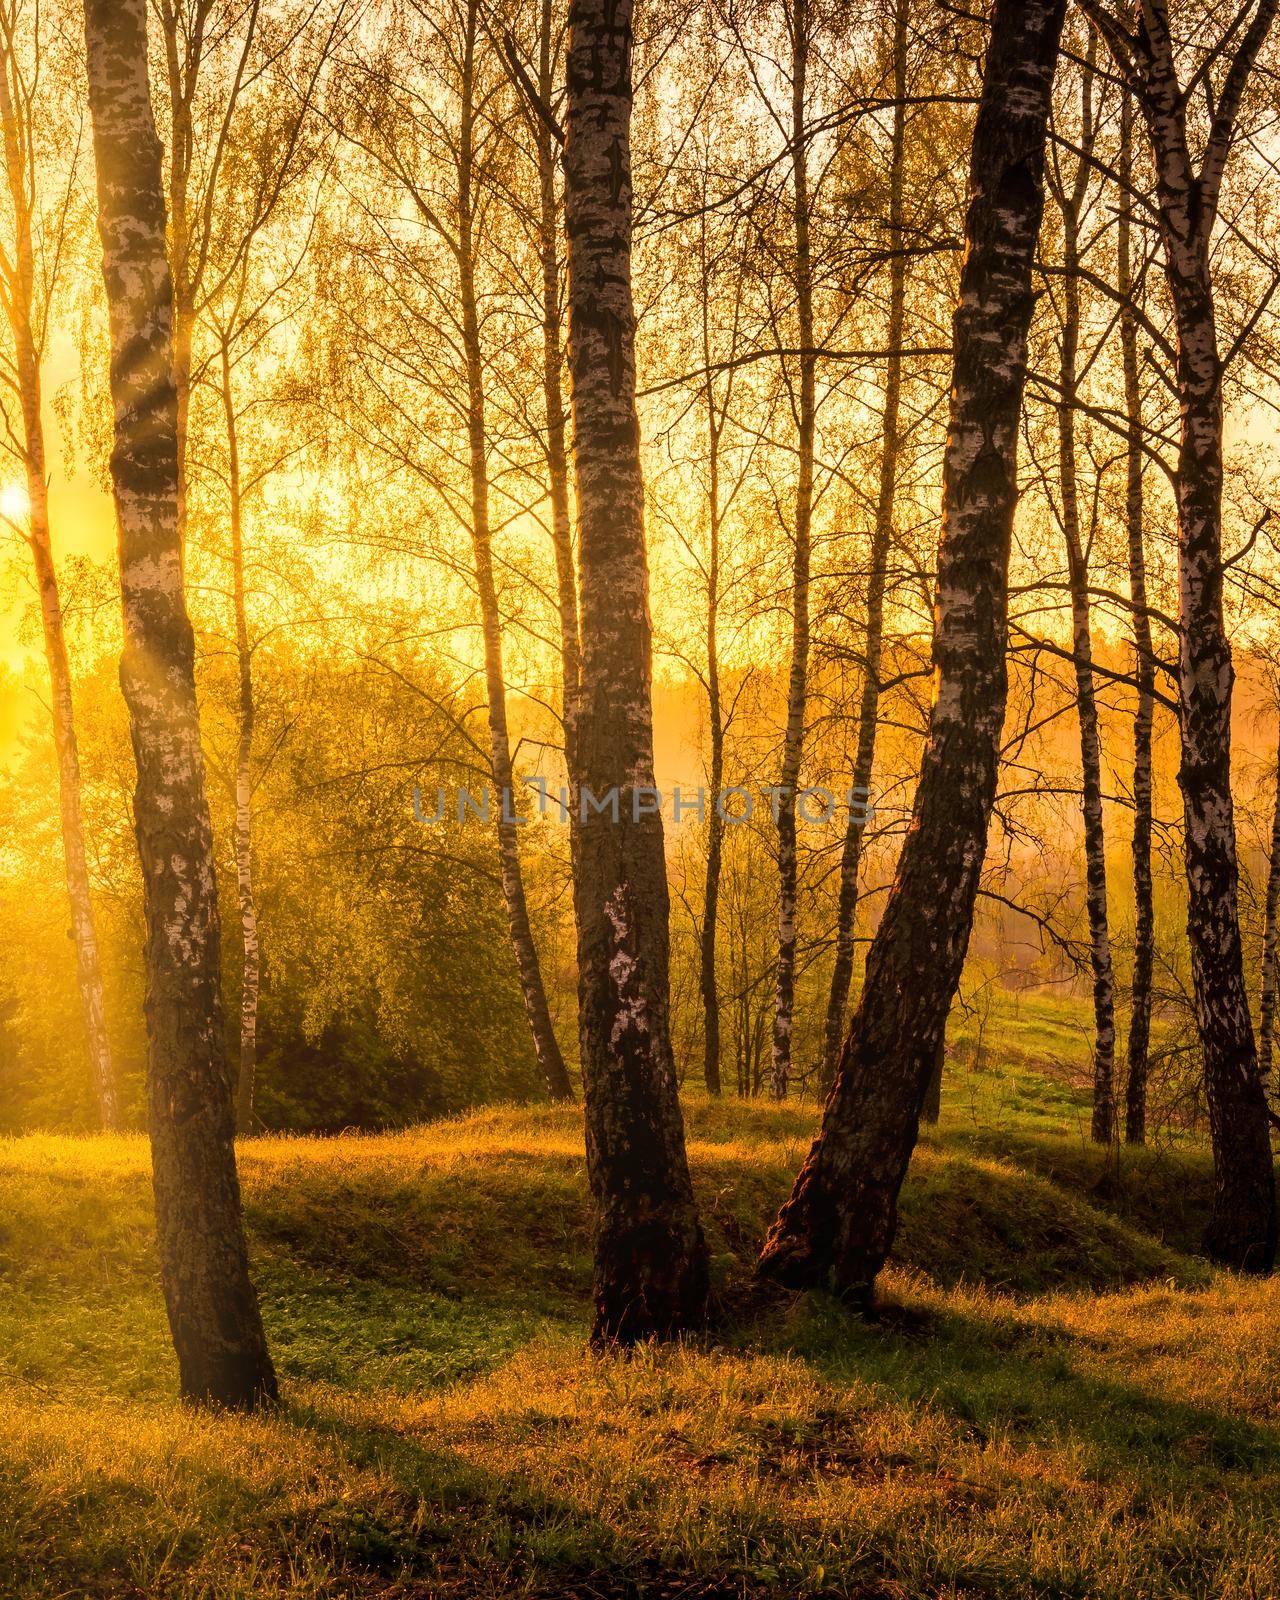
(446, 1431)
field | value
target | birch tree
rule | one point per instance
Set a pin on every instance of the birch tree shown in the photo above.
(239, 330)
(271, 179)
(1128, 287)
(217, 63)
(1071, 192)
(213, 1309)
(469, 132)
(250, 976)
(1270, 944)
(650, 1276)
(241, 84)
(839, 1222)
(881, 540)
(547, 141)
(436, 135)
(190, 35)
(717, 400)
(1242, 1231)
(806, 409)
(707, 443)
(31, 256)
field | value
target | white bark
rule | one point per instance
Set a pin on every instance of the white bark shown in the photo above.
(650, 1255)
(213, 1310)
(1242, 1232)
(838, 1225)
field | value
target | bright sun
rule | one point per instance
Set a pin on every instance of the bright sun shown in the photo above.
(14, 502)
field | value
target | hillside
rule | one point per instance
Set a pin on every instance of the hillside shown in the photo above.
(1004, 1430)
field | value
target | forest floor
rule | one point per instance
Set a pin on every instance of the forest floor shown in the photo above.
(1060, 1399)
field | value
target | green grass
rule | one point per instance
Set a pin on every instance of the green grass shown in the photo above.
(1061, 1399)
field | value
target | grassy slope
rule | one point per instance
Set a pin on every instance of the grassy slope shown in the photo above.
(1005, 1431)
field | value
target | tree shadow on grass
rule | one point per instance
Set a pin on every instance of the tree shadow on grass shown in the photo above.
(490, 1532)
(1004, 1376)
(454, 1530)
(368, 1337)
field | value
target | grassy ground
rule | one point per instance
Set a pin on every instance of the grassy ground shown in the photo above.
(1061, 1400)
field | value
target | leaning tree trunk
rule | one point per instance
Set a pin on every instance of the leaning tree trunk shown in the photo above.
(839, 1223)
(797, 681)
(1095, 848)
(1270, 944)
(650, 1256)
(1135, 1108)
(213, 1310)
(251, 969)
(869, 707)
(21, 288)
(546, 1046)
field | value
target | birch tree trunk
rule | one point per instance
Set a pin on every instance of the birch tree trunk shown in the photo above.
(552, 388)
(869, 706)
(547, 1047)
(1242, 1231)
(1270, 944)
(1095, 850)
(650, 1257)
(83, 928)
(19, 283)
(797, 680)
(707, 981)
(1135, 1109)
(213, 1309)
(549, 235)
(182, 63)
(838, 1224)
(251, 968)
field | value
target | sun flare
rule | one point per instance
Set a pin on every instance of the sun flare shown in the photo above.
(15, 503)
